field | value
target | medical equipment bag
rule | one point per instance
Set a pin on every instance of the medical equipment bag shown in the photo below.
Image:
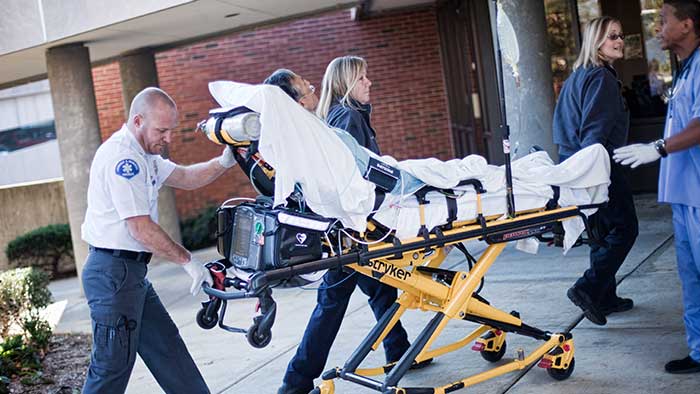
(254, 236)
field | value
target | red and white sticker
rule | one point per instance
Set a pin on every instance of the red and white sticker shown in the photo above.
(506, 146)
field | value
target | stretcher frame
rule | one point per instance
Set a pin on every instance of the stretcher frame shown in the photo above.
(413, 266)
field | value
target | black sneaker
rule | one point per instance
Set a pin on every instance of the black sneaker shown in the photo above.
(583, 301)
(414, 365)
(619, 305)
(686, 365)
(287, 389)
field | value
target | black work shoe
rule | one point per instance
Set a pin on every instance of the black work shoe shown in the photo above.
(415, 365)
(686, 365)
(421, 364)
(583, 301)
(619, 305)
(287, 389)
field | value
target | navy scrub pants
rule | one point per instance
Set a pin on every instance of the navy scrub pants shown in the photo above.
(332, 302)
(128, 318)
(618, 227)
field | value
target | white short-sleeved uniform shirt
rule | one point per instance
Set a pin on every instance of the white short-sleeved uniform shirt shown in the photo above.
(124, 182)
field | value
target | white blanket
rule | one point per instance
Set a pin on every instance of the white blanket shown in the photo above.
(303, 150)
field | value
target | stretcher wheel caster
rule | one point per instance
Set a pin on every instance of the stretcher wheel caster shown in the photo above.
(205, 321)
(256, 338)
(562, 374)
(493, 356)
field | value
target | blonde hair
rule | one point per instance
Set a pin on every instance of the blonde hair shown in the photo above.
(594, 36)
(340, 78)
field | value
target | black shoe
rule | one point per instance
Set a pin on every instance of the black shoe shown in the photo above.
(686, 365)
(415, 365)
(583, 301)
(421, 364)
(619, 305)
(287, 389)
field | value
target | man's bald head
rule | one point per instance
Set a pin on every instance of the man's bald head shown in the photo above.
(152, 119)
(148, 100)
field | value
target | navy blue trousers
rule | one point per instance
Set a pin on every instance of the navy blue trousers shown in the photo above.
(128, 318)
(332, 302)
(618, 228)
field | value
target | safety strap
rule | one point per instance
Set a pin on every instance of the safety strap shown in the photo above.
(451, 209)
(379, 196)
(554, 202)
(217, 130)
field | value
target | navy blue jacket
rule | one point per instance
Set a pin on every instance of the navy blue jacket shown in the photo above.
(590, 110)
(355, 122)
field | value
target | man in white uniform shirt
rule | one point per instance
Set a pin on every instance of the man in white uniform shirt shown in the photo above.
(121, 227)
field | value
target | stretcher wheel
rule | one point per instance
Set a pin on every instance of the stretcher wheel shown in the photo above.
(562, 374)
(493, 356)
(205, 321)
(256, 338)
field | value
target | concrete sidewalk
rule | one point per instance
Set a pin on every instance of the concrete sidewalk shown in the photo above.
(625, 356)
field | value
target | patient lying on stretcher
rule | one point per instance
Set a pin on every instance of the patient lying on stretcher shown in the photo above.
(330, 167)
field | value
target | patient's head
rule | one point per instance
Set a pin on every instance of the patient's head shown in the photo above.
(298, 88)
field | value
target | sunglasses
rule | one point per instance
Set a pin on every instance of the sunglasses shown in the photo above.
(614, 37)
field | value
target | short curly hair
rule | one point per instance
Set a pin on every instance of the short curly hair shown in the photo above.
(687, 9)
(285, 80)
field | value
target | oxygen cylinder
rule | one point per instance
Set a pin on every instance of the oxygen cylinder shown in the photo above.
(236, 129)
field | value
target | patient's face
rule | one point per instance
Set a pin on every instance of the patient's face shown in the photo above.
(308, 98)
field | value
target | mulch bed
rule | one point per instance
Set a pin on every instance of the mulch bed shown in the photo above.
(64, 367)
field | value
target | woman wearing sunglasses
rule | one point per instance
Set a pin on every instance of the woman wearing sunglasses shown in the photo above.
(591, 110)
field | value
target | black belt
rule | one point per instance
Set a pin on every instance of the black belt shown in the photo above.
(140, 257)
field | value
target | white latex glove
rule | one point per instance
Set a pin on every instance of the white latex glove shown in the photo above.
(226, 159)
(636, 154)
(199, 274)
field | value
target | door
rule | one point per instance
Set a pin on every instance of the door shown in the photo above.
(467, 57)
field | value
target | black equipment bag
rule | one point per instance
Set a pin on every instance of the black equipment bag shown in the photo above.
(255, 237)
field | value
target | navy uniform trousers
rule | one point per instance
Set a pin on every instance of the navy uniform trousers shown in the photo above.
(617, 226)
(332, 302)
(128, 318)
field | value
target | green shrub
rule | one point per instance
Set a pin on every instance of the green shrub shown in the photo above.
(43, 248)
(38, 332)
(23, 292)
(199, 232)
(4, 382)
(18, 357)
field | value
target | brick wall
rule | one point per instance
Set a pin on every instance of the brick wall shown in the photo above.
(108, 93)
(402, 50)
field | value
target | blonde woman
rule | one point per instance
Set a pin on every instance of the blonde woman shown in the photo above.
(344, 103)
(591, 110)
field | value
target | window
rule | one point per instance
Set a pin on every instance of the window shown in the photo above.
(562, 42)
(562, 34)
(658, 60)
(26, 136)
(587, 10)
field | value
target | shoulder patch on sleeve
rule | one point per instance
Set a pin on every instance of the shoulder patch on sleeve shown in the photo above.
(127, 168)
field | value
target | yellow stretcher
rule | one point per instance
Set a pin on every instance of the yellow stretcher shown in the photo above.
(411, 265)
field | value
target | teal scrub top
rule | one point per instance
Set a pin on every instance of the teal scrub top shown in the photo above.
(679, 177)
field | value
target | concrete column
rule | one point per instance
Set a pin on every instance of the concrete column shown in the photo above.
(530, 103)
(138, 71)
(77, 130)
